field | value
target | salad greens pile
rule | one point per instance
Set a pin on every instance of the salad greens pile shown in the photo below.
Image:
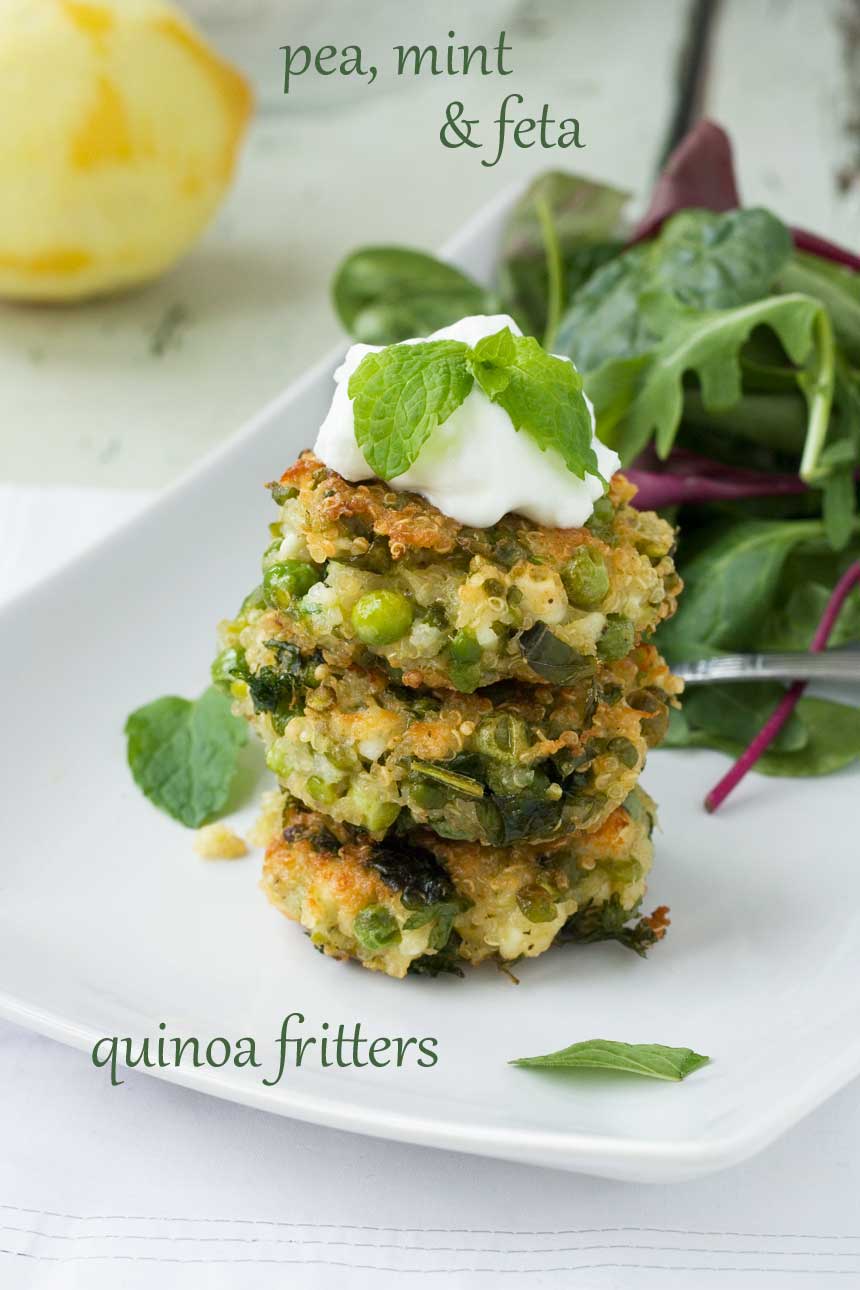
(723, 363)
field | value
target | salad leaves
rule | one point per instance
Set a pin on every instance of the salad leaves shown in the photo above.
(384, 294)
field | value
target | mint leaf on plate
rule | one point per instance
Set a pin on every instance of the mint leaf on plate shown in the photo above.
(655, 1061)
(182, 754)
(541, 394)
(400, 395)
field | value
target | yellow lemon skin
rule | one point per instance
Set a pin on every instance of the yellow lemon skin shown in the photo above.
(119, 130)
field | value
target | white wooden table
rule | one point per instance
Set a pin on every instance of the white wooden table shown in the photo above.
(131, 391)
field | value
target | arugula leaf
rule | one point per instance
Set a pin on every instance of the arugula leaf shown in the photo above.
(700, 259)
(708, 343)
(832, 738)
(541, 394)
(655, 1061)
(182, 754)
(837, 288)
(400, 395)
(563, 228)
(384, 294)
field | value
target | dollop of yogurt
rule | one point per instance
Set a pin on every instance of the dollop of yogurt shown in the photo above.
(475, 467)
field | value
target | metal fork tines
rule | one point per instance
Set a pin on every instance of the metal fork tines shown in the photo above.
(841, 664)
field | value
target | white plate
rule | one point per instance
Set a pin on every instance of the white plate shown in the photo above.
(109, 924)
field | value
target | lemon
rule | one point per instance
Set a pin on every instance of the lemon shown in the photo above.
(119, 130)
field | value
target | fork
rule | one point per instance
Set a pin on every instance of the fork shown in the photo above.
(840, 664)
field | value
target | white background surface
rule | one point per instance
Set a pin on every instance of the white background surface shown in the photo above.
(102, 1187)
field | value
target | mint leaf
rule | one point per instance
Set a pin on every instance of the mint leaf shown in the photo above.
(652, 1060)
(182, 754)
(401, 395)
(541, 394)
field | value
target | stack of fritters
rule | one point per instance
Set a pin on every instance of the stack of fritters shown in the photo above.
(457, 718)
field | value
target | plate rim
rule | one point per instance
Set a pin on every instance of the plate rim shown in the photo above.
(646, 1159)
(665, 1160)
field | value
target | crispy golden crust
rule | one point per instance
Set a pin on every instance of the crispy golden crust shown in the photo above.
(421, 903)
(470, 600)
(404, 519)
(410, 523)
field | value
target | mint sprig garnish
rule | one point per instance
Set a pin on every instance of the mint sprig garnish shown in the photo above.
(403, 393)
(541, 394)
(655, 1061)
(182, 754)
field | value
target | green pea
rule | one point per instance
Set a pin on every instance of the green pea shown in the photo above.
(466, 677)
(282, 493)
(585, 578)
(255, 599)
(654, 727)
(288, 581)
(603, 511)
(616, 640)
(625, 870)
(229, 666)
(502, 738)
(536, 904)
(375, 927)
(464, 647)
(652, 547)
(624, 750)
(381, 617)
(322, 790)
(427, 797)
(279, 758)
(379, 816)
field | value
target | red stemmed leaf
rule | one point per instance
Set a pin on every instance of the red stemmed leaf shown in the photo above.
(701, 173)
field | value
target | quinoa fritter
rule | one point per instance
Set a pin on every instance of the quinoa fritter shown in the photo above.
(423, 904)
(373, 577)
(511, 763)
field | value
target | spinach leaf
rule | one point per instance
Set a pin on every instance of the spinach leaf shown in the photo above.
(655, 1061)
(400, 395)
(832, 739)
(583, 219)
(734, 713)
(712, 261)
(800, 599)
(385, 294)
(732, 575)
(700, 259)
(182, 754)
